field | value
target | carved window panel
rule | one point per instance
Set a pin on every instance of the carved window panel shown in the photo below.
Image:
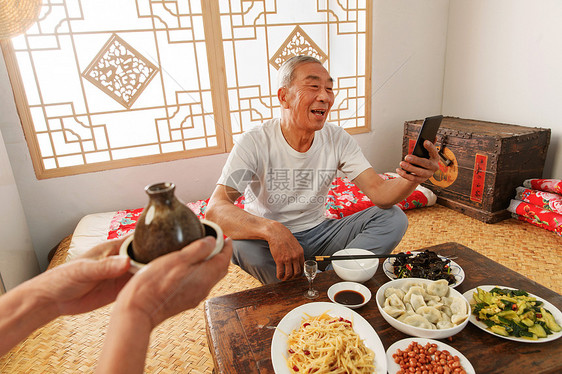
(105, 84)
(259, 36)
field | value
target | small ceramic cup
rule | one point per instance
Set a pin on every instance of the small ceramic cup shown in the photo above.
(211, 229)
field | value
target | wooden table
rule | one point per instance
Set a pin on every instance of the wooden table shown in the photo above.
(240, 326)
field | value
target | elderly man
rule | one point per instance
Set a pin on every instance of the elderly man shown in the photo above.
(285, 167)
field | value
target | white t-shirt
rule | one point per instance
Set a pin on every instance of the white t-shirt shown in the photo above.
(282, 184)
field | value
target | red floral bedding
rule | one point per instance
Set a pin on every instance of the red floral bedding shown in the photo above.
(539, 202)
(344, 198)
(546, 200)
(537, 216)
(547, 185)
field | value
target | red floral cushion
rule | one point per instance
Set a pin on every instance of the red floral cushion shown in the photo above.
(537, 216)
(547, 185)
(539, 202)
(344, 198)
(546, 200)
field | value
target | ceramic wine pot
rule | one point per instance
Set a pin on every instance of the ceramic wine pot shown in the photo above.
(164, 226)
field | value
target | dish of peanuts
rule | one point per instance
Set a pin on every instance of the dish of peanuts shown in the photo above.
(420, 355)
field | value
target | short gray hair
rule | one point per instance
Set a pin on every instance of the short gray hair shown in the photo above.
(286, 72)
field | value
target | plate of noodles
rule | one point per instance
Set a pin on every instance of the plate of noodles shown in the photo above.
(310, 331)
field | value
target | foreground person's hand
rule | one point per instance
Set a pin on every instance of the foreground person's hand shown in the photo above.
(87, 283)
(175, 282)
(167, 286)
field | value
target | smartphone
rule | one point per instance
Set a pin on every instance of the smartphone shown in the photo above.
(428, 131)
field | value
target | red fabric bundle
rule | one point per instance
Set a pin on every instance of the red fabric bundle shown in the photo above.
(547, 185)
(537, 216)
(539, 202)
(546, 200)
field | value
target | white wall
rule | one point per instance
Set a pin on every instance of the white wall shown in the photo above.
(17, 258)
(504, 64)
(409, 40)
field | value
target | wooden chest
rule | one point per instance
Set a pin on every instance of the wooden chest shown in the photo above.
(482, 163)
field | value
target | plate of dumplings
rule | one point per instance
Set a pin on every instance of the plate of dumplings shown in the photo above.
(423, 308)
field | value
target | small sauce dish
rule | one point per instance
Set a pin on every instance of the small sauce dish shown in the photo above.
(350, 294)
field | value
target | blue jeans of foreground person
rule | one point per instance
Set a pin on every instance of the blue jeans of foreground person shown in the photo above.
(378, 230)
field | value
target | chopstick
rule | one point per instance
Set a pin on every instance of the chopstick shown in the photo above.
(358, 257)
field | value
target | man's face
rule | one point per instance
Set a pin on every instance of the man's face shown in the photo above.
(309, 97)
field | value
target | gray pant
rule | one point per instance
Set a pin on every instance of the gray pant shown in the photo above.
(378, 230)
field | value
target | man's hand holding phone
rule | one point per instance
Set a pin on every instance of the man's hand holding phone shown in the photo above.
(418, 169)
(424, 160)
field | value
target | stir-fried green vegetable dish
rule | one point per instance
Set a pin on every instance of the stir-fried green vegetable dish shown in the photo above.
(513, 313)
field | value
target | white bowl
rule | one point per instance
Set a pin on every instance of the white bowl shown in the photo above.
(418, 331)
(211, 229)
(355, 270)
(349, 286)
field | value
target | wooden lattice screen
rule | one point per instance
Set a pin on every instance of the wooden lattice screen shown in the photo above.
(107, 84)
